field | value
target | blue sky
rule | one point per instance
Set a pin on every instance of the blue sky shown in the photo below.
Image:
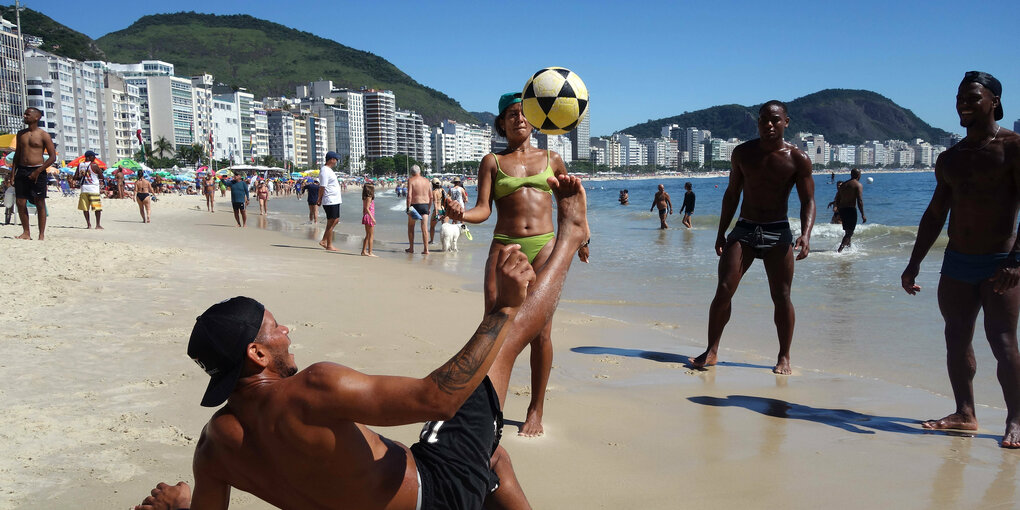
(650, 59)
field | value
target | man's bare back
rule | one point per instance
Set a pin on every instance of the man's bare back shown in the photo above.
(419, 190)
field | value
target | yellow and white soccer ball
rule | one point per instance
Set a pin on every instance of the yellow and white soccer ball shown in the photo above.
(554, 100)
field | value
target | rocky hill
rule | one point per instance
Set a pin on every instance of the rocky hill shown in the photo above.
(843, 116)
(268, 58)
(56, 38)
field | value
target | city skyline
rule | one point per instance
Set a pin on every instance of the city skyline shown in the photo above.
(697, 56)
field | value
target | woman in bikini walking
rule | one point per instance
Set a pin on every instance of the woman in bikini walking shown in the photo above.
(515, 181)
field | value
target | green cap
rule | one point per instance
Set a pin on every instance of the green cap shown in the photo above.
(508, 99)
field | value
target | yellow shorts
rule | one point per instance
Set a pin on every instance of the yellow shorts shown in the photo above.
(89, 200)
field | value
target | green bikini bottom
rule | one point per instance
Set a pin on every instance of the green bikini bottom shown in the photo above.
(530, 245)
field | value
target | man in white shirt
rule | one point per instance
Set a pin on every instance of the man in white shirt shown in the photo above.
(329, 198)
(90, 178)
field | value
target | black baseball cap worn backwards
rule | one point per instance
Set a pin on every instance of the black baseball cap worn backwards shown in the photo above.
(989, 82)
(219, 342)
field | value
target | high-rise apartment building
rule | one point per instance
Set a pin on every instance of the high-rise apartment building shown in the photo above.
(202, 104)
(12, 62)
(261, 130)
(559, 144)
(693, 142)
(301, 141)
(412, 135)
(344, 114)
(632, 152)
(454, 141)
(243, 100)
(579, 138)
(226, 131)
(608, 150)
(75, 110)
(120, 116)
(281, 135)
(380, 123)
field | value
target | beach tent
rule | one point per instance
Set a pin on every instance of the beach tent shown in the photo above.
(128, 163)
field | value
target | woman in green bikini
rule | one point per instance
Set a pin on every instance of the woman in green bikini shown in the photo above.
(515, 181)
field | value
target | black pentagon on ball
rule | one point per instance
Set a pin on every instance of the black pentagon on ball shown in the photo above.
(546, 103)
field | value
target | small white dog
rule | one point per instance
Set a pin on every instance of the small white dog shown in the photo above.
(449, 233)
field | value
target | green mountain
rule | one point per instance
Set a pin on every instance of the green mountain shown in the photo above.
(484, 118)
(57, 38)
(268, 59)
(843, 116)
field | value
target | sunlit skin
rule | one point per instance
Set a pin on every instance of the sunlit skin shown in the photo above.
(31, 143)
(298, 439)
(525, 212)
(978, 189)
(764, 171)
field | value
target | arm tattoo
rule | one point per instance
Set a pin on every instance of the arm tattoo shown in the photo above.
(458, 372)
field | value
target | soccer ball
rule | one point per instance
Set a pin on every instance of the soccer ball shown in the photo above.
(554, 100)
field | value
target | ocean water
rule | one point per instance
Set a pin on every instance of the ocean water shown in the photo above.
(852, 315)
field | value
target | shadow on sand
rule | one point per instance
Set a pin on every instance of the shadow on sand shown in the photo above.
(661, 357)
(850, 421)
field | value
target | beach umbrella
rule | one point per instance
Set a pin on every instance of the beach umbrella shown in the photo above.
(66, 170)
(224, 173)
(202, 168)
(296, 175)
(128, 163)
(311, 173)
(8, 141)
(77, 161)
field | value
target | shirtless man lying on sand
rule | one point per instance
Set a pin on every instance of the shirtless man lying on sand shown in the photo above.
(299, 439)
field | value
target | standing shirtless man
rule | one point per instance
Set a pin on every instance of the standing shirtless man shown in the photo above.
(662, 201)
(978, 187)
(765, 170)
(299, 440)
(419, 204)
(849, 198)
(30, 171)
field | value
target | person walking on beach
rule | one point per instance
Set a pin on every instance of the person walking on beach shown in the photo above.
(688, 208)
(329, 198)
(459, 194)
(517, 181)
(978, 188)
(239, 199)
(209, 190)
(29, 170)
(368, 218)
(91, 180)
(313, 201)
(143, 195)
(324, 457)
(850, 198)
(419, 204)
(438, 211)
(764, 170)
(262, 194)
(118, 174)
(662, 201)
(836, 220)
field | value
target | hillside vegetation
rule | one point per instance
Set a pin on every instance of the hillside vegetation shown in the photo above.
(268, 59)
(57, 38)
(843, 116)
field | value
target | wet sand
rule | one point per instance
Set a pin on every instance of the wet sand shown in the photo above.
(101, 401)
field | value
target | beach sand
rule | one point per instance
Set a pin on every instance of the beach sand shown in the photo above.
(101, 400)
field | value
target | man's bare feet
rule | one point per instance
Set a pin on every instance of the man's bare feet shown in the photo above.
(42, 237)
(99, 228)
(532, 426)
(330, 248)
(707, 359)
(782, 366)
(425, 252)
(1011, 439)
(571, 209)
(409, 250)
(167, 497)
(26, 236)
(956, 421)
(322, 243)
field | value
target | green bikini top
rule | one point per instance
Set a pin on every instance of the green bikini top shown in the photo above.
(505, 184)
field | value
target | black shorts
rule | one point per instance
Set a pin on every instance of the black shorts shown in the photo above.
(332, 211)
(453, 456)
(662, 213)
(28, 189)
(238, 206)
(762, 237)
(849, 217)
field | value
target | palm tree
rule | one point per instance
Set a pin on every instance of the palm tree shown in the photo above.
(162, 147)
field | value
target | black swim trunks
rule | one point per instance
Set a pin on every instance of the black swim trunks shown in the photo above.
(28, 189)
(332, 211)
(238, 206)
(848, 215)
(423, 209)
(662, 212)
(453, 456)
(761, 237)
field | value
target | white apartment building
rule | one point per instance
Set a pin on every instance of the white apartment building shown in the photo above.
(609, 149)
(721, 150)
(202, 104)
(598, 155)
(301, 141)
(864, 155)
(380, 123)
(559, 144)
(226, 131)
(12, 61)
(846, 154)
(120, 113)
(143, 68)
(40, 94)
(166, 108)
(75, 110)
(662, 152)
(317, 139)
(693, 142)
(923, 153)
(243, 101)
(281, 135)
(632, 153)
(412, 135)
(261, 129)
(344, 113)
(880, 155)
(580, 138)
(904, 158)
(454, 141)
